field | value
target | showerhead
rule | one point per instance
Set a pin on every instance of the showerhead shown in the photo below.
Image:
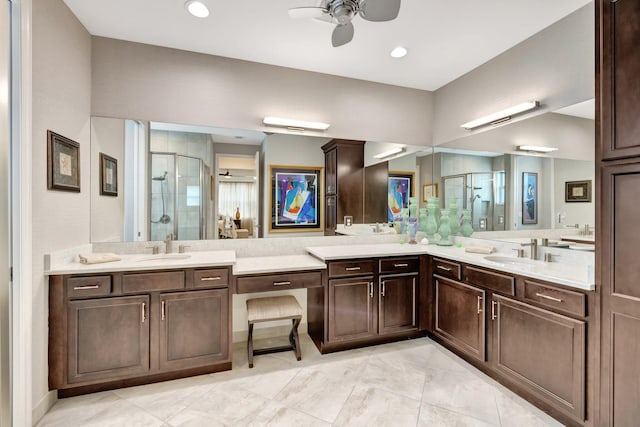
(160, 178)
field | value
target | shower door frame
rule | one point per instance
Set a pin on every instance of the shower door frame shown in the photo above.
(174, 218)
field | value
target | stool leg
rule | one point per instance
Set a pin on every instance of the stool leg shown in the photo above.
(295, 338)
(250, 345)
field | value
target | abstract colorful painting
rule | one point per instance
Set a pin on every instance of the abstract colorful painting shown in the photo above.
(295, 198)
(399, 190)
(529, 198)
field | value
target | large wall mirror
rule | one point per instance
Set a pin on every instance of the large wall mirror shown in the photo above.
(198, 182)
(506, 186)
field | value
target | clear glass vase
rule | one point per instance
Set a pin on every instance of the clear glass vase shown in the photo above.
(412, 230)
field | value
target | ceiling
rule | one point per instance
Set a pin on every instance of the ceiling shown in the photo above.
(445, 39)
(218, 135)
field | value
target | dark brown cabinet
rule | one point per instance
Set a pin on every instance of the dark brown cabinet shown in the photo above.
(542, 351)
(351, 309)
(108, 338)
(617, 209)
(398, 304)
(365, 302)
(102, 337)
(459, 316)
(193, 329)
(344, 181)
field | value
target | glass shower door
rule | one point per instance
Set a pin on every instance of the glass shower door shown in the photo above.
(162, 197)
(189, 203)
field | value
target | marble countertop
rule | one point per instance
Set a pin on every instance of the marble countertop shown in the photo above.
(142, 262)
(575, 276)
(276, 264)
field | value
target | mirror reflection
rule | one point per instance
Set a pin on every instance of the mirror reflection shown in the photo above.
(194, 182)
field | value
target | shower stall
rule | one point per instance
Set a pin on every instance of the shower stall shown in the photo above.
(483, 193)
(178, 197)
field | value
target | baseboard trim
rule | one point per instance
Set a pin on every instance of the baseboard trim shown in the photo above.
(43, 406)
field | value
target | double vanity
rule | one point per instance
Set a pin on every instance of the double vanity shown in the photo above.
(152, 318)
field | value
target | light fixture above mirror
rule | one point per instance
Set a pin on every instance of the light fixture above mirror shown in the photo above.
(501, 116)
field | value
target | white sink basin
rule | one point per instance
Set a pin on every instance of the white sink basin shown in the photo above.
(165, 257)
(505, 260)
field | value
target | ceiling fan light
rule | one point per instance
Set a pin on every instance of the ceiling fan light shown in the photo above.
(197, 8)
(398, 52)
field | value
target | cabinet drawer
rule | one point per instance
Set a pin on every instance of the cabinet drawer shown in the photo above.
(152, 282)
(211, 278)
(277, 282)
(88, 287)
(490, 280)
(399, 265)
(445, 268)
(351, 268)
(556, 298)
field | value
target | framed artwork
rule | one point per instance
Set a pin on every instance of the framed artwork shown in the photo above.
(577, 191)
(108, 175)
(63, 163)
(429, 190)
(399, 189)
(295, 198)
(529, 198)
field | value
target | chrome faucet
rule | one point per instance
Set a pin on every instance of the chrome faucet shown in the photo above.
(167, 243)
(534, 248)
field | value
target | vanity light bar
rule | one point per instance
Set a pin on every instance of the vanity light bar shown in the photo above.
(295, 124)
(389, 153)
(536, 148)
(501, 115)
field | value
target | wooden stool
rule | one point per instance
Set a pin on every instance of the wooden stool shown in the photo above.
(274, 308)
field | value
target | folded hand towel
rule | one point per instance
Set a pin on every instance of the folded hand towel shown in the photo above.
(480, 249)
(98, 258)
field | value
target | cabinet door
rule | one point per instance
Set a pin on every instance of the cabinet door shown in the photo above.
(351, 309)
(330, 168)
(542, 351)
(330, 215)
(108, 338)
(398, 304)
(194, 328)
(459, 316)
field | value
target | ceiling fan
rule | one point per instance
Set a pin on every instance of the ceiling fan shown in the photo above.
(341, 12)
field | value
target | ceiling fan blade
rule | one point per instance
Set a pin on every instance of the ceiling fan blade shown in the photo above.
(306, 12)
(342, 34)
(379, 10)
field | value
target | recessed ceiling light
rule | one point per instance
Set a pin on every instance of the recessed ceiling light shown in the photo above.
(398, 52)
(197, 8)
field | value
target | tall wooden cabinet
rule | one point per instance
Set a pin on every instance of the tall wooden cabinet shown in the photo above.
(344, 182)
(617, 212)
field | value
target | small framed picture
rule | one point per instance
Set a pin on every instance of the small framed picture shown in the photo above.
(63, 163)
(429, 190)
(577, 191)
(108, 175)
(296, 197)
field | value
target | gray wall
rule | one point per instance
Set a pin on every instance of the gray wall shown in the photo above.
(61, 82)
(576, 213)
(132, 80)
(555, 66)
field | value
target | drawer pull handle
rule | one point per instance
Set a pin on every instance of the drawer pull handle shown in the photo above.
(163, 310)
(479, 304)
(209, 279)
(383, 288)
(281, 283)
(82, 288)
(144, 312)
(401, 265)
(370, 289)
(493, 310)
(352, 268)
(549, 297)
(443, 268)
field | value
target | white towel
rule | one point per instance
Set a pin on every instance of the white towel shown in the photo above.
(98, 258)
(480, 249)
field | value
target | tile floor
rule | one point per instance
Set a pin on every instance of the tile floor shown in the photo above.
(408, 383)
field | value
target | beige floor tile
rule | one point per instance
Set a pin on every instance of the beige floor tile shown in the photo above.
(369, 406)
(431, 416)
